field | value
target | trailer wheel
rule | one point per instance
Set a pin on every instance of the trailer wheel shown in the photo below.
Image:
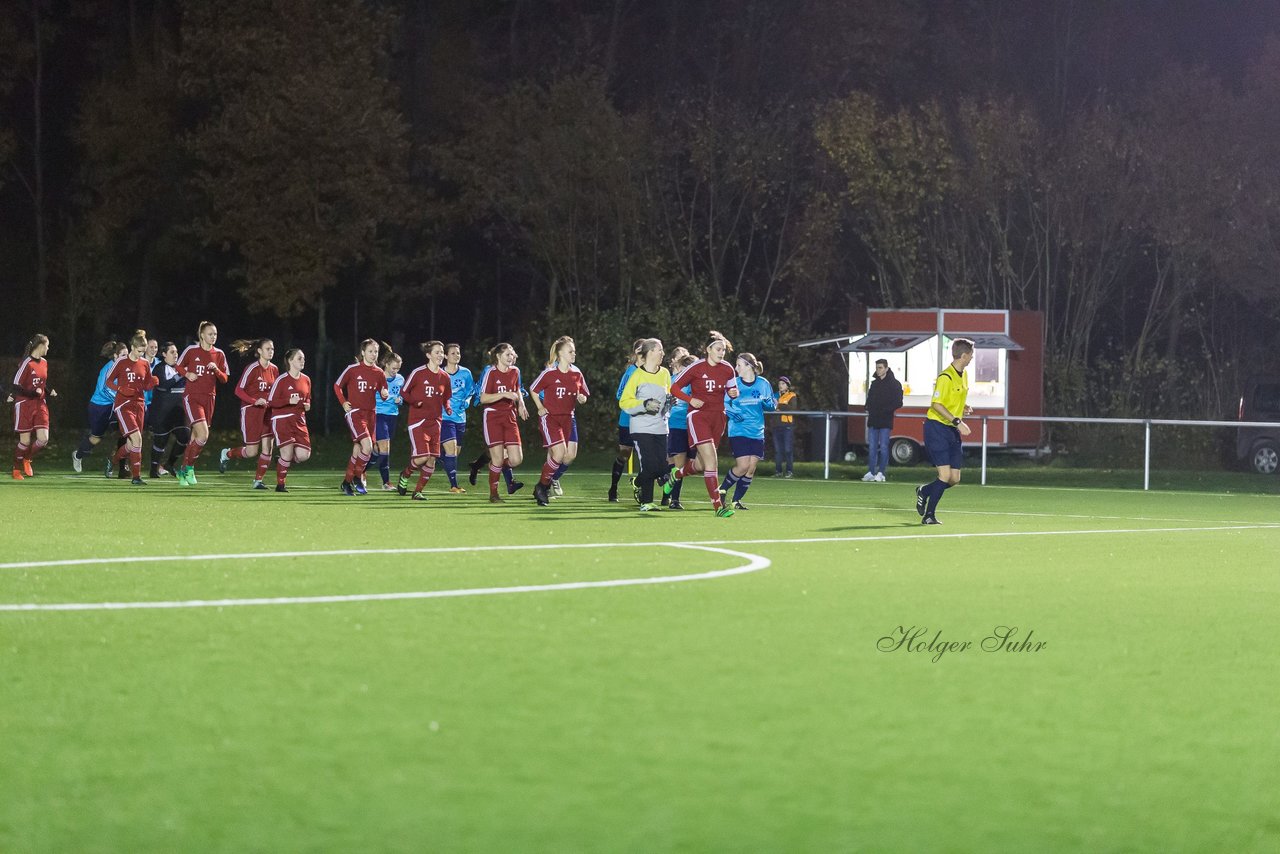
(1265, 458)
(904, 452)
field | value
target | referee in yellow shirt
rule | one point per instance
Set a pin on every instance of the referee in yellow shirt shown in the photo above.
(943, 427)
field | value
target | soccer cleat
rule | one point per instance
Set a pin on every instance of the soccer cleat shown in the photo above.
(635, 493)
(402, 485)
(191, 476)
(161, 471)
(386, 487)
(868, 477)
(738, 505)
(930, 520)
(123, 472)
(108, 469)
(613, 495)
(346, 488)
(418, 496)
(360, 488)
(666, 499)
(495, 498)
(557, 490)
(668, 481)
(647, 508)
(137, 481)
(77, 464)
(921, 501)
(540, 495)
(26, 468)
(473, 471)
(675, 505)
(257, 484)
(223, 459)
(280, 487)
(457, 490)
(516, 486)
(181, 475)
(17, 474)
(155, 471)
(724, 511)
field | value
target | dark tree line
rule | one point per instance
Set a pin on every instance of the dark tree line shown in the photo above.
(325, 170)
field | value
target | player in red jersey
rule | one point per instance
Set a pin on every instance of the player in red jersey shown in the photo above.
(703, 386)
(358, 390)
(500, 396)
(289, 402)
(255, 428)
(29, 394)
(131, 379)
(426, 395)
(557, 391)
(203, 365)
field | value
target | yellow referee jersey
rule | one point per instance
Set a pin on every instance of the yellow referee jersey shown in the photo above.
(951, 389)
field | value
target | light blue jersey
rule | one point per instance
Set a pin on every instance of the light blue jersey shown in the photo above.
(389, 406)
(103, 396)
(678, 419)
(746, 411)
(624, 420)
(465, 393)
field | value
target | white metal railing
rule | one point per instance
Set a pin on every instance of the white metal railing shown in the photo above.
(1147, 424)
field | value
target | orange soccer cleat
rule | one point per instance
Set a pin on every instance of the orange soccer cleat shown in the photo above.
(17, 474)
(26, 468)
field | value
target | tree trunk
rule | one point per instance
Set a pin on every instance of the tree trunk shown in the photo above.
(322, 359)
(37, 103)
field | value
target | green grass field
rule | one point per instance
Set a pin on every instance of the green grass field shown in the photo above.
(768, 710)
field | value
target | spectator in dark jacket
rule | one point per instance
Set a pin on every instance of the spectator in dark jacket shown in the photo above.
(883, 399)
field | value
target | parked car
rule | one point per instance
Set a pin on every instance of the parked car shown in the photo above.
(1259, 447)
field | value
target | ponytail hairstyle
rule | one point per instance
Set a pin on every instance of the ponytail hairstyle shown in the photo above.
(635, 350)
(685, 361)
(139, 340)
(244, 345)
(386, 356)
(110, 349)
(713, 337)
(289, 354)
(678, 353)
(364, 345)
(498, 350)
(204, 324)
(555, 348)
(428, 346)
(647, 346)
(756, 364)
(36, 341)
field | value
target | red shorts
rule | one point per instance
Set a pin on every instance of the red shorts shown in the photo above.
(30, 414)
(424, 438)
(291, 429)
(131, 414)
(253, 424)
(556, 429)
(199, 407)
(706, 426)
(359, 424)
(500, 428)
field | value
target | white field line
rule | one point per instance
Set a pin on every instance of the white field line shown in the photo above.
(754, 563)
(954, 512)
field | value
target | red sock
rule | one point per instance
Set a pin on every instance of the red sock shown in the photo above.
(548, 471)
(712, 480)
(495, 475)
(235, 454)
(408, 471)
(282, 471)
(120, 453)
(135, 462)
(193, 452)
(690, 468)
(19, 455)
(264, 463)
(36, 447)
(362, 463)
(425, 476)
(351, 469)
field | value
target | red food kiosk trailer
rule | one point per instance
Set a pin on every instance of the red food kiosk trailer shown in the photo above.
(1005, 378)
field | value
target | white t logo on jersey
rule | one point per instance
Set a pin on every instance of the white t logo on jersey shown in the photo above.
(362, 385)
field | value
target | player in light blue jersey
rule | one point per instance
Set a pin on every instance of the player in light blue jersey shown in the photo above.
(453, 426)
(513, 485)
(746, 426)
(387, 413)
(677, 427)
(624, 423)
(100, 417)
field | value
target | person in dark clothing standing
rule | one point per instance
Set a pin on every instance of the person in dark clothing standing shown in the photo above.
(883, 399)
(784, 444)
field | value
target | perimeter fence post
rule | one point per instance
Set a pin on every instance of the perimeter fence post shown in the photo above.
(984, 450)
(1146, 457)
(826, 447)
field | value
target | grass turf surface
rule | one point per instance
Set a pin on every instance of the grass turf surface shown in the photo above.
(753, 712)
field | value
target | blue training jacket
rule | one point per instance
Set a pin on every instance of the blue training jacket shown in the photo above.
(624, 420)
(465, 393)
(103, 396)
(389, 406)
(746, 411)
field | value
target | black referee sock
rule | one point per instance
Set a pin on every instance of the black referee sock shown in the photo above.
(619, 466)
(934, 491)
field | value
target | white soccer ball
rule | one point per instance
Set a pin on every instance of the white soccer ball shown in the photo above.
(850, 457)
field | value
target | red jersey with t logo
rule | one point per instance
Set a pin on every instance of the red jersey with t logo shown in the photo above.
(282, 391)
(360, 385)
(706, 382)
(427, 393)
(560, 389)
(255, 383)
(32, 376)
(498, 381)
(209, 366)
(131, 380)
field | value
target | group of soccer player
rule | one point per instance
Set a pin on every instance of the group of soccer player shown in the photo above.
(672, 414)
